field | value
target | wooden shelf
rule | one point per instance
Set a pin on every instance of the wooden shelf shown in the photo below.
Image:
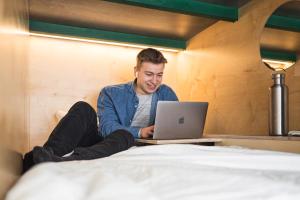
(274, 143)
(253, 137)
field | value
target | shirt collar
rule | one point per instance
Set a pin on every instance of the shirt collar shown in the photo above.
(130, 86)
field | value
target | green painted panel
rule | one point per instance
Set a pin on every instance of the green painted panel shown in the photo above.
(285, 23)
(278, 55)
(89, 33)
(190, 7)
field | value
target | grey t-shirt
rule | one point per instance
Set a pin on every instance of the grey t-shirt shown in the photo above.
(142, 115)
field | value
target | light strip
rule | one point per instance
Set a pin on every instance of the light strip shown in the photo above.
(100, 42)
(278, 65)
(12, 31)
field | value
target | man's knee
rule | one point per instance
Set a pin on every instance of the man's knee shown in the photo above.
(123, 135)
(83, 107)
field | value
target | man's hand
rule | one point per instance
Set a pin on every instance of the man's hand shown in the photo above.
(147, 131)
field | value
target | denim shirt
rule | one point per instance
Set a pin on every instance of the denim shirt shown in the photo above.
(117, 105)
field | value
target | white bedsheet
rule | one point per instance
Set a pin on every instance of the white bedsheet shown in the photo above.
(167, 172)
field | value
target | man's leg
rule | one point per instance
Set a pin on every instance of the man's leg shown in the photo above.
(115, 142)
(77, 129)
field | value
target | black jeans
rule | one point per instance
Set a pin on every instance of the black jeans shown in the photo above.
(78, 131)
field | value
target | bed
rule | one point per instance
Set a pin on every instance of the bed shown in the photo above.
(175, 171)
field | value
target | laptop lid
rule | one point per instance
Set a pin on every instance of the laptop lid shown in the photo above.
(179, 120)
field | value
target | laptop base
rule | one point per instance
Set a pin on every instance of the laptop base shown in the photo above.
(179, 141)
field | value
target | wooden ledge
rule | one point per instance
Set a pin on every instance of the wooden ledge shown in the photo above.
(274, 143)
(254, 137)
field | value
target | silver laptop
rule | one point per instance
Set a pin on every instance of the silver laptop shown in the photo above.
(179, 121)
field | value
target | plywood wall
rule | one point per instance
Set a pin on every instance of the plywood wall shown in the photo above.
(13, 102)
(293, 82)
(62, 72)
(223, 66)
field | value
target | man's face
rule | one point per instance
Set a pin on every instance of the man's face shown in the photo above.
(149, 77)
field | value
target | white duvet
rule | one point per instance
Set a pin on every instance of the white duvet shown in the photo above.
(167, 172)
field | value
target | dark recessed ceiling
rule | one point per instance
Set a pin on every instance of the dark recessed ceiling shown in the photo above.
(139, 20)
(283, 40)
(119, 18)
(231, 3)
(290, 9)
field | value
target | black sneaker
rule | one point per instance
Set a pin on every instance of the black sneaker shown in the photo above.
(44, 154)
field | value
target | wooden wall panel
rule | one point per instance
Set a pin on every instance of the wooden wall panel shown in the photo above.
(13, 72)
(223, 66)
(13, 100)
(62, 72)
(293, 82)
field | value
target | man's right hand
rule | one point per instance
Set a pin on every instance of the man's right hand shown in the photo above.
(147, 132)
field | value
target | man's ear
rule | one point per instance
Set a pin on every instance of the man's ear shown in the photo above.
(135, 72)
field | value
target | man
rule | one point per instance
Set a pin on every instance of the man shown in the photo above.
(125, 112)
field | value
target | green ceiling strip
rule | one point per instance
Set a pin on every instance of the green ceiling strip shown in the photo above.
(190, 7)
(89, 33)
(278, 55)
(285, 23)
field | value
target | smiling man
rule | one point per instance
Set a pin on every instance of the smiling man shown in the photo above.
(132, 106)
(125, 111)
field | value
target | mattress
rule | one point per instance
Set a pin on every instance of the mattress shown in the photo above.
(175, 171)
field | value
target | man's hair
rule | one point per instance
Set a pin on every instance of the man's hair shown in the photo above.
(150, 55)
